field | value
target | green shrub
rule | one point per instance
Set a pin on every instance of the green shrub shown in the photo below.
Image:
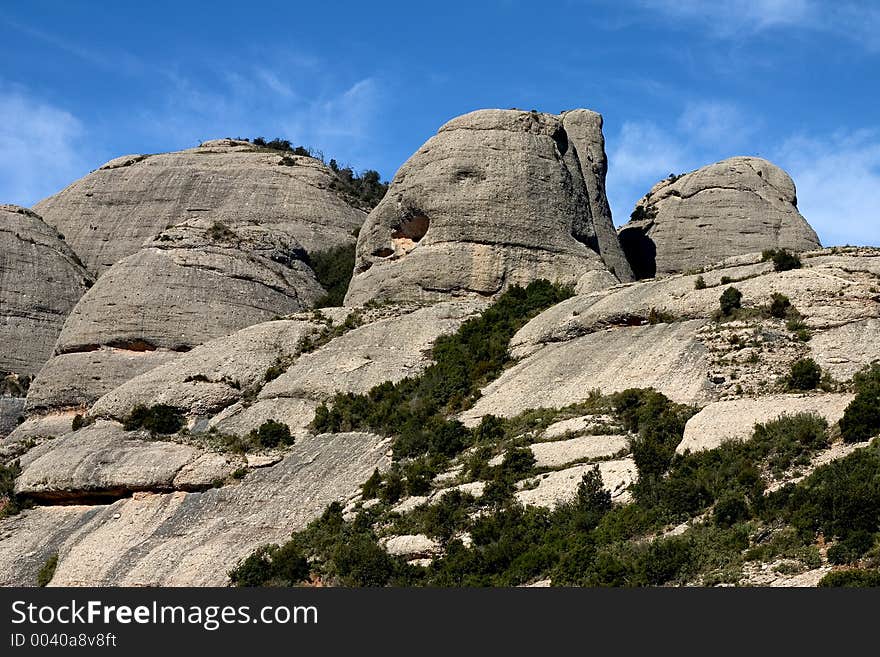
(731, 509)
(333, 268)
(489, 431)
(220, 232)
(861, 418)
(414, 410)
(659, 424)
(9, 504)
(730, 300)
(158, 419)
(77, 423)
(274, 371)
(838, 499)
(782, 260)
(271, 434)
(393, 487)
(780, 306)
(851, 578)
(789, 439)
(700, 283)
(47, 570)
(271, 565)
(851, 548)
(805, 374)
(372, 486)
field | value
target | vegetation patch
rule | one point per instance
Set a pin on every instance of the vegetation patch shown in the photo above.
(414, 410)
(47, 570)
(783, 260)
(9, 504)
(159, 419)
(333, 268)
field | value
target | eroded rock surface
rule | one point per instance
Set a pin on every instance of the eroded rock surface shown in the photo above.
(188, 538)
(192, 283)
(111, 212)
(41, 279)
(735, 419)
(496, 198)
(739, 205)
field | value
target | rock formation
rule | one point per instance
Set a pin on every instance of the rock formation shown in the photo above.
(736, 206)
(111, 212)
(41, 279)
(192, 283)
(496, 198)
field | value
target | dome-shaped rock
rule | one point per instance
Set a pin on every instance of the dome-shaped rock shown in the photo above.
(192, 283)
(110, 213)
(496, 198)
(736, 206)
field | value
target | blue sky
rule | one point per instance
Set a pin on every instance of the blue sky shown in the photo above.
(681, 83)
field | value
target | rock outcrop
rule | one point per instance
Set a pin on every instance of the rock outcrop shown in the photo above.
(663, 334)
(187, 538)
(736, 206)
(103, 461)
(194, 282)
(111, 212)
(735, 420)
(41, 279)
(496, 198)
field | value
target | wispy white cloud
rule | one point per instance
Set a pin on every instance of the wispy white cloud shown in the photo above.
(838, 181)
(858, 21)
(733, 15)
(117, 60)
(267, 102)
(713, 123)
(837, 175)
(40, 148)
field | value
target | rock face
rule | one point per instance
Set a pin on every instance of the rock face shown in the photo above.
(104, 461)
(188, 538)
(739, 205)
(110, 213)
(735, 419)
(389, 349)
(212, 376)
(192, 283)
(496, 198)
(663, 334)
(41, 279)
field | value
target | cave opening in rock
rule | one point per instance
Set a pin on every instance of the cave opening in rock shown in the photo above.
(413, 227)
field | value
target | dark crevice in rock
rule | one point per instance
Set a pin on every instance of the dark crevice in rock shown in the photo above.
(78, 349)
(561, 139)
(640, 251)
(136, 344)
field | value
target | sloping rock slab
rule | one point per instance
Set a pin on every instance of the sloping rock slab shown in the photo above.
(735, 419)
(667, 357)
(189, 539)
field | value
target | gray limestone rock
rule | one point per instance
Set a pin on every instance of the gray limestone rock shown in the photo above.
(190, 284)
(102, 460)
(496, 198)
(188, 538)
(41, 279)
(111, 212)
(735, 419)
(736, 206)
(213, 375)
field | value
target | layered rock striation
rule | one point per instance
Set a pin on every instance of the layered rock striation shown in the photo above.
(110, 213)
